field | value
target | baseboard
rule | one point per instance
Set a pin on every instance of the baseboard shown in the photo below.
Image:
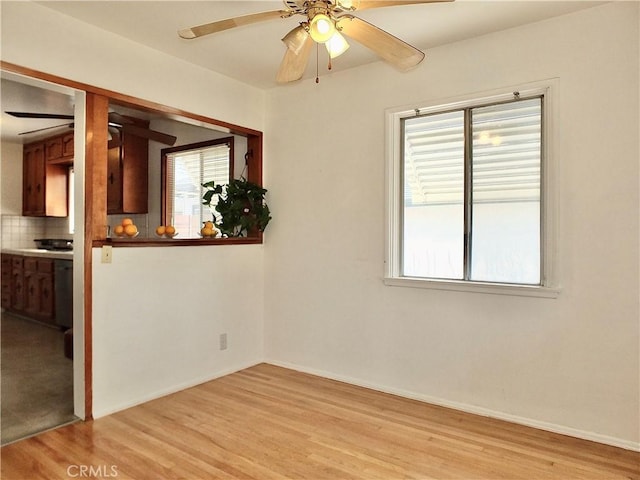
(173, 389)
(485, 412)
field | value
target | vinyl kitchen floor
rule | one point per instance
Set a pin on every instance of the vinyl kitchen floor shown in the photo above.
(37, 379)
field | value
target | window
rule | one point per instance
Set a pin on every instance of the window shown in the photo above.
(468, 194)
(185, 169)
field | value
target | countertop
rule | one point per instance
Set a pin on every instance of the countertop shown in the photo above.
(36, 252)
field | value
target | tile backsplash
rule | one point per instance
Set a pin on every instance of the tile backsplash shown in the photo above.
(19, 232)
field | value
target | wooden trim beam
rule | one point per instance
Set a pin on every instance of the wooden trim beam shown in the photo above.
(129, 101)
(97, 110)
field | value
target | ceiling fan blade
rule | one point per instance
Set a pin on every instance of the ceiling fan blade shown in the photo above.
(221, 25)
(149, 134)
(115, 117)
(367, 4)
(54, 116)
(127, 125)
(391, 49)
(69, 125)
(296, 57)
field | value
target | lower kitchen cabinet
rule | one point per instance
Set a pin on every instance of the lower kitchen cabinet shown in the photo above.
(5, 271)
(17, 284)
(28, 286)
(38, 280)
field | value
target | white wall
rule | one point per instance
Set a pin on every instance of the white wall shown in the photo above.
(11, 175)
(569, 364)
(157, 312)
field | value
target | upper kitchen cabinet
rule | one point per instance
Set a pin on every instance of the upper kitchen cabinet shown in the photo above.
(59, 149)
(44, 191)
(128, 172)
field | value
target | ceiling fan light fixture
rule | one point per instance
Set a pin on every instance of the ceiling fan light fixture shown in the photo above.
(348, 4)
(336, 45)
(321, 28)
(295, 39)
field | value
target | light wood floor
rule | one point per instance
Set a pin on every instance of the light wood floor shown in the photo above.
(268, 422)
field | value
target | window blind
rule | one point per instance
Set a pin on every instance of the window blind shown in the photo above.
(505, 154)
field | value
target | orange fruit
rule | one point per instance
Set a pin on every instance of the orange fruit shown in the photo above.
(169, 230)
(126, 221)
(160, 230)
(207, 232)
(118, 230)
(130, 230)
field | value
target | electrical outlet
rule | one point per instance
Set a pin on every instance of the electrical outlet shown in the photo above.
(107, 253)
(223, 341)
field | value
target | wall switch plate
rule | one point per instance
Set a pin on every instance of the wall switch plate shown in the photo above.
(107, 253)
(223, 341)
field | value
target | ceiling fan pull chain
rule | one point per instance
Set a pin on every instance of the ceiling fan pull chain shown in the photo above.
(317, 60)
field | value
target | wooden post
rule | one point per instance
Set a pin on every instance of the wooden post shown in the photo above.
(95, 226)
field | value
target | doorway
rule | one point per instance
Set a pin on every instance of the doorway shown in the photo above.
(42, 366)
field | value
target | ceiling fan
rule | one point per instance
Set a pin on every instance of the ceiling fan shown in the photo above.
(116, 122)
(326, 21)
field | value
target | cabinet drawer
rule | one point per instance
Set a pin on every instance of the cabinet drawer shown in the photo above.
(38, 265)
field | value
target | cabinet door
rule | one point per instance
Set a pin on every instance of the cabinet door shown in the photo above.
(6, 281)
(39, 293)
(127, 176)
(67, 146)
(33, 192)
(32, 293)
(17, 284)
(135, 174)
(53, 149)
(114, 181)
(46, 310)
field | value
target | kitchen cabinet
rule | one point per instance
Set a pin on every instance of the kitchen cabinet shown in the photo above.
(39, 287)
(13, 298)
(5, 273)
(39, 293)
(59, 149)
(68, 146)
(44, 191)
(33, 172)
(18, 297)
(127, 175)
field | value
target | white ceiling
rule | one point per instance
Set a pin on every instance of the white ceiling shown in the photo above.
(21, 97)
(252, 53)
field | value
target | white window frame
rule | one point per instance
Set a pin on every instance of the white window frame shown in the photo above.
(549, 287)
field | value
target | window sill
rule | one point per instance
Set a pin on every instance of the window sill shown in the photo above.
(474, 287)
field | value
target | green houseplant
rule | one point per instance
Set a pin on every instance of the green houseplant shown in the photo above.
(241, 206)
